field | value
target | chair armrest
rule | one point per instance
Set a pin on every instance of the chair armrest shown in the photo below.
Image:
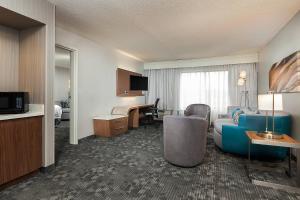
(156, 110)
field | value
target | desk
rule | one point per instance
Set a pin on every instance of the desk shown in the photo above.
(134, 114)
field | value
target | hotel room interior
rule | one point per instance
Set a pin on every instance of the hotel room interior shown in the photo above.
(139, 99)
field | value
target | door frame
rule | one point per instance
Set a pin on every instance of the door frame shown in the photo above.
(74, 94)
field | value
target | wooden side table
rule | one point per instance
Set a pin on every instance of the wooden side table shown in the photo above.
(286, 141)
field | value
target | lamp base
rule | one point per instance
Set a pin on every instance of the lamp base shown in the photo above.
(270, 135)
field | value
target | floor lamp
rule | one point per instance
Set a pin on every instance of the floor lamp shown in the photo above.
(270, 102)
(242, 82)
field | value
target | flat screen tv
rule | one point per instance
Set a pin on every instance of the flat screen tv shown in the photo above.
(138, 83)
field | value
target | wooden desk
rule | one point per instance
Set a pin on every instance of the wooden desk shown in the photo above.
(134, 114)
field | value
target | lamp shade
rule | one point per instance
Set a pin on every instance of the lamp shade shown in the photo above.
(241, 82)
(243, 74)
(265, 102)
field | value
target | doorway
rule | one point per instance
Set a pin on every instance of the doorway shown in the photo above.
(65, 98)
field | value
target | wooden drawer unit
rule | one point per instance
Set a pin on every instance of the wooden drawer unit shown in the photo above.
(20, 147)
(110, 125)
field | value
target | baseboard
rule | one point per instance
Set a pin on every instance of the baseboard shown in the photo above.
(47, 169)
(18, 180)
(87, 137)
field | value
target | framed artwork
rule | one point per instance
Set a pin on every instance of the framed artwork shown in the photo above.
(284, 76)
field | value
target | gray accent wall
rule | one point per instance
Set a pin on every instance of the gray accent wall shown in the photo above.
(286, 42)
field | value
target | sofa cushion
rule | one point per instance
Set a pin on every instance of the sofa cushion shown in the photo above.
(220, 122)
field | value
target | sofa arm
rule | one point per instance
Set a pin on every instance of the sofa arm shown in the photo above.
(234, 139)
(223, 116)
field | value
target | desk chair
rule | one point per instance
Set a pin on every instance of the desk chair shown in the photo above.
(151, 114)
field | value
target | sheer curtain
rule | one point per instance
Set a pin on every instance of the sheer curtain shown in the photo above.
(251, 83)
(209, 88)
(212, 85)
(163, 84)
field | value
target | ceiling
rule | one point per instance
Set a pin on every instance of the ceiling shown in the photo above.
(159, 30)
(62, 58)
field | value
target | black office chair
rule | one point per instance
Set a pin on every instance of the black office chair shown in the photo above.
(151, 114)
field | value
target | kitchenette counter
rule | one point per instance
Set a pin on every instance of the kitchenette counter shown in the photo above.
(34, 111)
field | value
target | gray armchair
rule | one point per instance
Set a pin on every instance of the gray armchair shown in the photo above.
(198, 110)
(185, 140)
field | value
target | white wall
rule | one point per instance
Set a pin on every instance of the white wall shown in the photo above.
(286, 42)
(97, 78)
(61, 83)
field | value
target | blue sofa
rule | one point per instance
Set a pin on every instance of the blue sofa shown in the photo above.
(232, 137)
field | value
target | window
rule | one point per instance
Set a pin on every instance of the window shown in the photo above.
(209, 88)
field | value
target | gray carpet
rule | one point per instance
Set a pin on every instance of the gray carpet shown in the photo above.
(62, 132)
(132, 167)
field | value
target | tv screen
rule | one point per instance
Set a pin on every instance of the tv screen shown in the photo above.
(138, 83)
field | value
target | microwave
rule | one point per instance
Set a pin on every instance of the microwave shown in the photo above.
(14, 102)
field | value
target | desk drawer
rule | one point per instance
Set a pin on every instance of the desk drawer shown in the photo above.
(107, 127)
(118, 126)
(117, 131)
(118, 123)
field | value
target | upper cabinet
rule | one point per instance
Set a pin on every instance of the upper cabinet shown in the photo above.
(123, 84)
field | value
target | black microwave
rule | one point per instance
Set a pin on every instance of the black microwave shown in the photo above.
(14, 102)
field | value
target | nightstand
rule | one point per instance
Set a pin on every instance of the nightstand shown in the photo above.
(286, 141)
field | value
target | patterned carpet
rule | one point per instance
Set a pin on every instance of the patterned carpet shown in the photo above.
(132, 167)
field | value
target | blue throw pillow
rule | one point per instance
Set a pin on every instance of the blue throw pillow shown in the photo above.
(234, 111)
(236, 116)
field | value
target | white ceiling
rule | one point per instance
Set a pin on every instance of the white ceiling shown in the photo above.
(157, 30)
(62, 58)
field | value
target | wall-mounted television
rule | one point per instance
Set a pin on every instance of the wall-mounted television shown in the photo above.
(138, 83)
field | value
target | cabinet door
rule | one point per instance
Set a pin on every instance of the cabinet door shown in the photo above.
(20, 147)
(9, 148)
(33, 145)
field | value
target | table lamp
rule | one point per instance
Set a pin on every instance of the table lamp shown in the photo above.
(270, 102)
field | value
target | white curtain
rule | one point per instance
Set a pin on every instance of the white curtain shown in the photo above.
(209, 88)
(163, 84)
(212, 85)
(251, 84)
